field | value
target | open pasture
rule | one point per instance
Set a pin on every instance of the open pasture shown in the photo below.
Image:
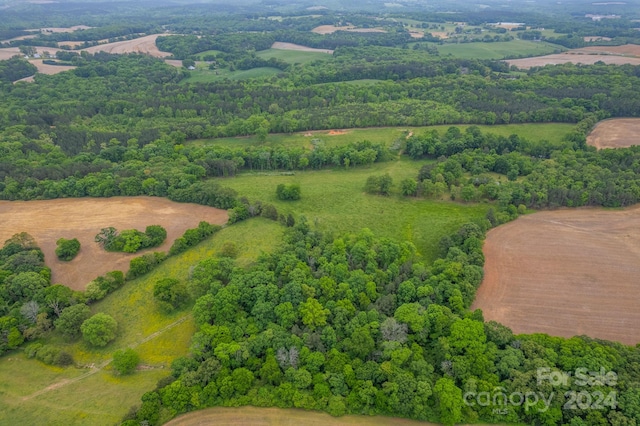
(553, 132)
(615, 133)
(49, 220)
(496, 50)
(294, 56)
(565, 273)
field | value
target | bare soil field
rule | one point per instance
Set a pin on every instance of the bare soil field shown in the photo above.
(298, 47)
(565, 273)
(254, 416)
(82, 218)
(579, 58)
(615, 133)
(145, 44)
(624, 50)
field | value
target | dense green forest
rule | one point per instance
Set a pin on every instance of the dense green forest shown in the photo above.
(339, 323)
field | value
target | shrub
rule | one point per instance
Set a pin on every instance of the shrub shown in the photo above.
(288, 192)
(99, 330)
(193, 236)
(125, 361)
(141, 265)
(67, 249)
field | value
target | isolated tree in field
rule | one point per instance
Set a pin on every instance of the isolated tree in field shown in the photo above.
(71, 320)
(99, 330)
(379, 184)
(125, 361)
(67, 249)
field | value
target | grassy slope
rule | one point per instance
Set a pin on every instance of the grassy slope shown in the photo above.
(101, 398)
(205, 75)
(334, 201)
(293, 56)
(497, 50)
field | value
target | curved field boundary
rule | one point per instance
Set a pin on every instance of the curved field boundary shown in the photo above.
(615, 133)
(291, 46)
(254, 416)
(565, 273)
(82, 218)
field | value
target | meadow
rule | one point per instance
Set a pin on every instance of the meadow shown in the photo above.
(497, 50)
(203, 74)
(293, 56)
(552, 132)
(34, 393)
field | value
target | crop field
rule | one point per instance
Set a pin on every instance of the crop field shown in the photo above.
(497, 50)
(49, 220)
(565, 273)
(615, 133)
(611, 55)
(254, 416)
(294, 56)
(145, 45)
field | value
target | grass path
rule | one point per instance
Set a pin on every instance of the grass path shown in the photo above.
(95, 369)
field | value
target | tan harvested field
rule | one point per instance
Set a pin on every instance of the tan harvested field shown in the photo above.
(624, 50)
(565, 273)
(62, 30)
(329, 29)
(298, 47)
(82, 218)
(71, 44)
(51, 69)
(254, 416)
(568, 57)
(145, 44)
(595, 38)
(615, 133)
(174, 62)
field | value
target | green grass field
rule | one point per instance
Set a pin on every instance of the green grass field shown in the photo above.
(102, 398)
(293, 56)
(334, 201)
(553, 132)
(497, 50)
(204, 75)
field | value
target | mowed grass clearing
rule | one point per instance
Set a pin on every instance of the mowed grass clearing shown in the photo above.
(204, 75)
(498, 50)
(293, 56)
(34, 393)
(334, 201)
(553, 132)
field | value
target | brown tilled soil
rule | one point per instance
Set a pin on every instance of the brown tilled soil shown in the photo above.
(51, 69)
(615, 133)
(254, 416)
(565, 272)
(82, 218)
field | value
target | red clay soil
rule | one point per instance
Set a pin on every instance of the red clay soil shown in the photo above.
(82, 218)
(254, 416)
(565, 273)
(615, 133)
